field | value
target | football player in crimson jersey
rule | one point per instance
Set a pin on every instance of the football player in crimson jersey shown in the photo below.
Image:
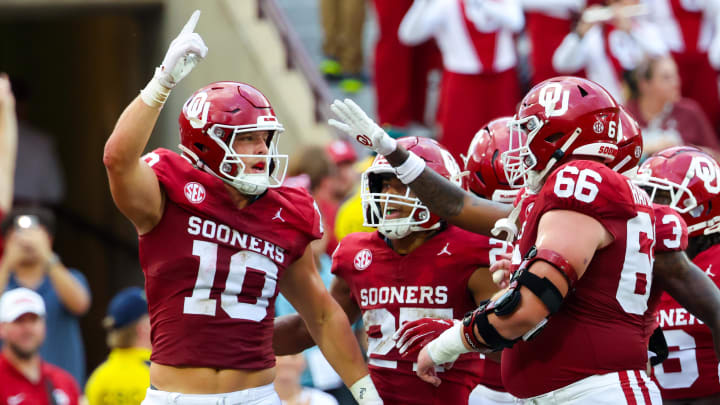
(8, 146)
(486, 178)
(414, 267)
(218, 236)
(586, 246)
(688, 180)
(673, 272)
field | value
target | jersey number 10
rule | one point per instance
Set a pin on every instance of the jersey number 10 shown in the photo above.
(200, 303)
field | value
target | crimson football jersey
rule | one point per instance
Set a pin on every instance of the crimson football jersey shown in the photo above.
(672, 236)
(691, 369)
(16, 389)
(599, 327)
(431, 281)
(212, 270)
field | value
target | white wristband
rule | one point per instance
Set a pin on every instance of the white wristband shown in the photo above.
(154, 94)
(410, 169)
(364, 392)
(448, 346)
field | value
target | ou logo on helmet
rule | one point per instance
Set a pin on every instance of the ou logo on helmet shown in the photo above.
(195, 107)
(706, 170)
(549, 96)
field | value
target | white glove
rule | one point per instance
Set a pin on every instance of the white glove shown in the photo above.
(357, 124)
(184, 53)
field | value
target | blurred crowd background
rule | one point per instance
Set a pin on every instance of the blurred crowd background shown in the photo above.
(437, 68)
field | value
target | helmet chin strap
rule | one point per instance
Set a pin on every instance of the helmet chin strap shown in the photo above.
(392, 232)
(248, 188)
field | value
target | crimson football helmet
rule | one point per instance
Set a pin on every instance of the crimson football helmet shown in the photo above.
(630, 145)
(560, 117)
(209, 122)
(691, 177)
(484, 165)
(378, 206)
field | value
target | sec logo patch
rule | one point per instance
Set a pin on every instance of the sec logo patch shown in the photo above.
(363, 259)
(195, 192)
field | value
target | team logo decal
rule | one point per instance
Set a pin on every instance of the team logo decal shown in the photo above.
(549, 96)
(195, 192)
(197, 109)
(707, 172)
(362, 259)
(364, 140)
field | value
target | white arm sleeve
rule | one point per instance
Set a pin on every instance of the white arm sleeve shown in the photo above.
(552, 5)
(647, 35)
(570, 56)
(422, 21)
(508, 13)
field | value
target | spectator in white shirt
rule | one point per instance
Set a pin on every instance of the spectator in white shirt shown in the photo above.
(547, 24)
(608, 47)
(476, 39)
(688, 28)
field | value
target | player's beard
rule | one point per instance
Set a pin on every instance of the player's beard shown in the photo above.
(24, 354)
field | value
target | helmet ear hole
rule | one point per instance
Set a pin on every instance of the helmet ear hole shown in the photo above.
(554, 137)
(200, 147)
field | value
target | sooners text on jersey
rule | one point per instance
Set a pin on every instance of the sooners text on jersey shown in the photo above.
(212, 270)
(599, 328)
(431, 281)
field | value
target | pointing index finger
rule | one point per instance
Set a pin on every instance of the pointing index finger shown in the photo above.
(192, 22)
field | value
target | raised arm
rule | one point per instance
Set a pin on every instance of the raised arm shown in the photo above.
(8, 143)
(133, 184)
(553, 5)
(422, 20)
(441, 196)
(291, 334)
(691, 288)
(508, 13)
(328, 325)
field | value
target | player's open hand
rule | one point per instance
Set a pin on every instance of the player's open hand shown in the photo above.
(357, 124)
(426, 368)
(184, 53)
(414, 335)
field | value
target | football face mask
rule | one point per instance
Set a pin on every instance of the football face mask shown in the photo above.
(397, 214)
(394, 215)
(210, 122)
